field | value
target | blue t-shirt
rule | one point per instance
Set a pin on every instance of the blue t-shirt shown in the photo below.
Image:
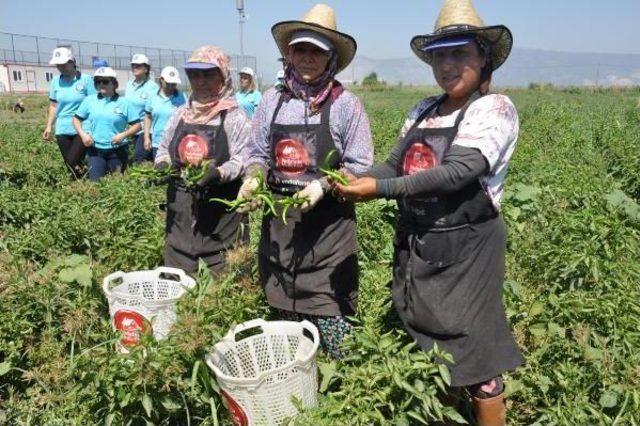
(108, 116)
(68, 95)
(248, 101)
(138, 94)
(160, 108)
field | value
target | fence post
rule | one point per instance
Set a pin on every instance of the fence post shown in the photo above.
(13, 48)
(38, 50)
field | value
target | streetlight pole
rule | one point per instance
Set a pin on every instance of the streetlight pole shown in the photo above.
(240, 7)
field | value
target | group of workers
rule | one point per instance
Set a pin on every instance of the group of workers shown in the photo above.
(446, 171)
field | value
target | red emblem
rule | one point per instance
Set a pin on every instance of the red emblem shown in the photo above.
(133, 324)
(291, 157)
(237, 413)
(192, 149)
(419, 157)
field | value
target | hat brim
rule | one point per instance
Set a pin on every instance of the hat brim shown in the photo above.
(344, 44)
(200, 66)
(498, 36)
(59, 62)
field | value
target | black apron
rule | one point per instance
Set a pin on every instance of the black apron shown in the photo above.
(196, 227)
(449, 266)
(309, 265)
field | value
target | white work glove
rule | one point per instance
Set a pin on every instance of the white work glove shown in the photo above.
(246, 193)
(313, 192)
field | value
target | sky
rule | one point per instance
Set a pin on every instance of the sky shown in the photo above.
(382, 29)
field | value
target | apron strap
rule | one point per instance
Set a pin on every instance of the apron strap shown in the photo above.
(277, 110)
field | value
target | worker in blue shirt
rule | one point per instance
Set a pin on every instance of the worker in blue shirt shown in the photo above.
(107, 134)
(248, 97)
(160, 107)
(138, 91)
(67, 92)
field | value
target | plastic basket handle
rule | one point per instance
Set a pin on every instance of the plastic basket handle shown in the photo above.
(231, 335)
(308, 325)
(185, 280)
(108, 279)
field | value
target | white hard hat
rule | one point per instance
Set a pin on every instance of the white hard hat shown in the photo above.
(61, 55)
(248, 71)
(105, 72)
(140, 58)
(170, 75)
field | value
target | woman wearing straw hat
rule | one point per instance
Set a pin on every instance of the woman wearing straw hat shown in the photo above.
(160, 107)
(138, 91)
(248, 96)
(67, 92)
(308, 265)
(209, 127)
(447, 173)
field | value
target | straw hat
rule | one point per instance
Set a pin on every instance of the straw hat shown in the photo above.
(459, 18)
(320, 19)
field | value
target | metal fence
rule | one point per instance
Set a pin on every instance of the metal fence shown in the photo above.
(36, 50)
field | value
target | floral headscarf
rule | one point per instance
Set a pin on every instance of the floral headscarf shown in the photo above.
(202, 113)
(317, 92)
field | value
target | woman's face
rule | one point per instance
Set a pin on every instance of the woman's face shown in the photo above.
(458, 69)
(67, 69)
(309, 60)
(205, 84)
(139, 71)
(105, 86)
(245, 82)
(168, 88)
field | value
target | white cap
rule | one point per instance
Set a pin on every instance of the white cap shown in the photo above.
(61, 55)
(248, 71)
(140, 58)
(280, 74)
(170, 75)
(307, 36)
(105, 72)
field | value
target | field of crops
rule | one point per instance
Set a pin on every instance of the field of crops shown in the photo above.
(572, 292)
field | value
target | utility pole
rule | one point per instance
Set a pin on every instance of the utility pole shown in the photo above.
(240, 7)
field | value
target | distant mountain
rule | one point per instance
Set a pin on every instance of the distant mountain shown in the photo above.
(524, 66)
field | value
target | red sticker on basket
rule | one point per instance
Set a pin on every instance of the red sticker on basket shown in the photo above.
(132, 324)
(237, 413)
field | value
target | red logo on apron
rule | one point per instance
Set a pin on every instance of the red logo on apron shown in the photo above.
(237, 413)
(192, 149)
(419, 157)
(291, 157)
(133, 324)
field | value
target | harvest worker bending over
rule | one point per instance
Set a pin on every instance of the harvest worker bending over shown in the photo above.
(208, 128)
(447, 172)
(106, 135)
(308, 265)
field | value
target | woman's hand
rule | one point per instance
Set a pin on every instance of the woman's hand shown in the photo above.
(249, 185)
(117, 139)
(147, 143)
(87, 140)
(361, 189)
(46, 135)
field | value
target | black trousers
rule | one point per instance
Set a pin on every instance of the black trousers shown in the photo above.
(73, 153)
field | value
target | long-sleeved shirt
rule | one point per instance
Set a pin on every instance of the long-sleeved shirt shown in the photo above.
(238, 130)
(348, 123)
(490, 128)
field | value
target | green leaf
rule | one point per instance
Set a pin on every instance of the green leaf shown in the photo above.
(513, 386)
(83, 275)
(67, 275)
(593, 354)
(169, 404)
(538, 330)
(5, 367)
(444, 373)
(147, 403)
(328, 371)
(536, 309)
(609, 399)
(75, 260)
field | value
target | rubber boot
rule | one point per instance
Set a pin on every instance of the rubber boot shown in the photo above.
(490, 411)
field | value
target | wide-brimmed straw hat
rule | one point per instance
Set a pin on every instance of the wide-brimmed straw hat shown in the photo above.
(458, 18)
(320, 19)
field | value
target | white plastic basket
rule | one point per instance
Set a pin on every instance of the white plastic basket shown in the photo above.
(151, 294)
(260, 374)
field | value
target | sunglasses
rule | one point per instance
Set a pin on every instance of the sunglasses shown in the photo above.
(104, 81)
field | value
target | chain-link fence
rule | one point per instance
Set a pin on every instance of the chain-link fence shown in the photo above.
(36, 50)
